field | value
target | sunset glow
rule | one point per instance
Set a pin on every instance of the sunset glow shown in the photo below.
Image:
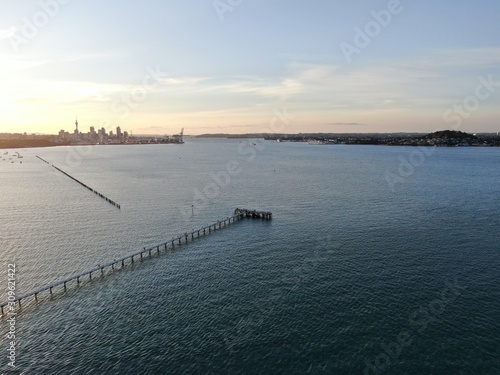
(158, 67)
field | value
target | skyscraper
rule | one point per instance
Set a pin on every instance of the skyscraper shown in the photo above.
(76, 135)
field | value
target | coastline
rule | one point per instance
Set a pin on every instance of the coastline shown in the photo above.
(446, 138)
(29, 143)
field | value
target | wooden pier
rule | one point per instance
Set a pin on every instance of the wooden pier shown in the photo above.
(253, 214)
(13, 302)
(84, 185)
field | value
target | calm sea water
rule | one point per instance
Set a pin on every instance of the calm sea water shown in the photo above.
(370, 265)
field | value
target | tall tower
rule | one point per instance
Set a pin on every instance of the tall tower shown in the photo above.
(76, 123)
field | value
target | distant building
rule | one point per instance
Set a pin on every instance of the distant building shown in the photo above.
(76, 132)
(100, 135)
(119, 133)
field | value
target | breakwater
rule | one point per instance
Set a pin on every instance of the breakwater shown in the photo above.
(100, 195)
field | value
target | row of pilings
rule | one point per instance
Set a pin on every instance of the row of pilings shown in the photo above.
(84, 185)
(102, 269)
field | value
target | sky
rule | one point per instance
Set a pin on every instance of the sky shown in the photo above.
(246, 66)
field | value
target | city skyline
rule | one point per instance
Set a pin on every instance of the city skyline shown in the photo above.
(92, 134)
(250, 67)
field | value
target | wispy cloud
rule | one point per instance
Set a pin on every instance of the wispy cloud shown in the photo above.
(345, 124)
(6, 34)
(10, 64)
(469, 58)
(268, 89)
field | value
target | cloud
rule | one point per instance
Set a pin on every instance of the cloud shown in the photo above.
(181, 82)
(86, 57)
(278, 89)
(345, 124)
(469, 58)
(6, 34)
(10, 64)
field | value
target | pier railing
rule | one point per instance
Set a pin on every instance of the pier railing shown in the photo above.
(13, 303)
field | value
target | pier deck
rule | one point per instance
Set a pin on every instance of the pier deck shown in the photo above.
(254, 214)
